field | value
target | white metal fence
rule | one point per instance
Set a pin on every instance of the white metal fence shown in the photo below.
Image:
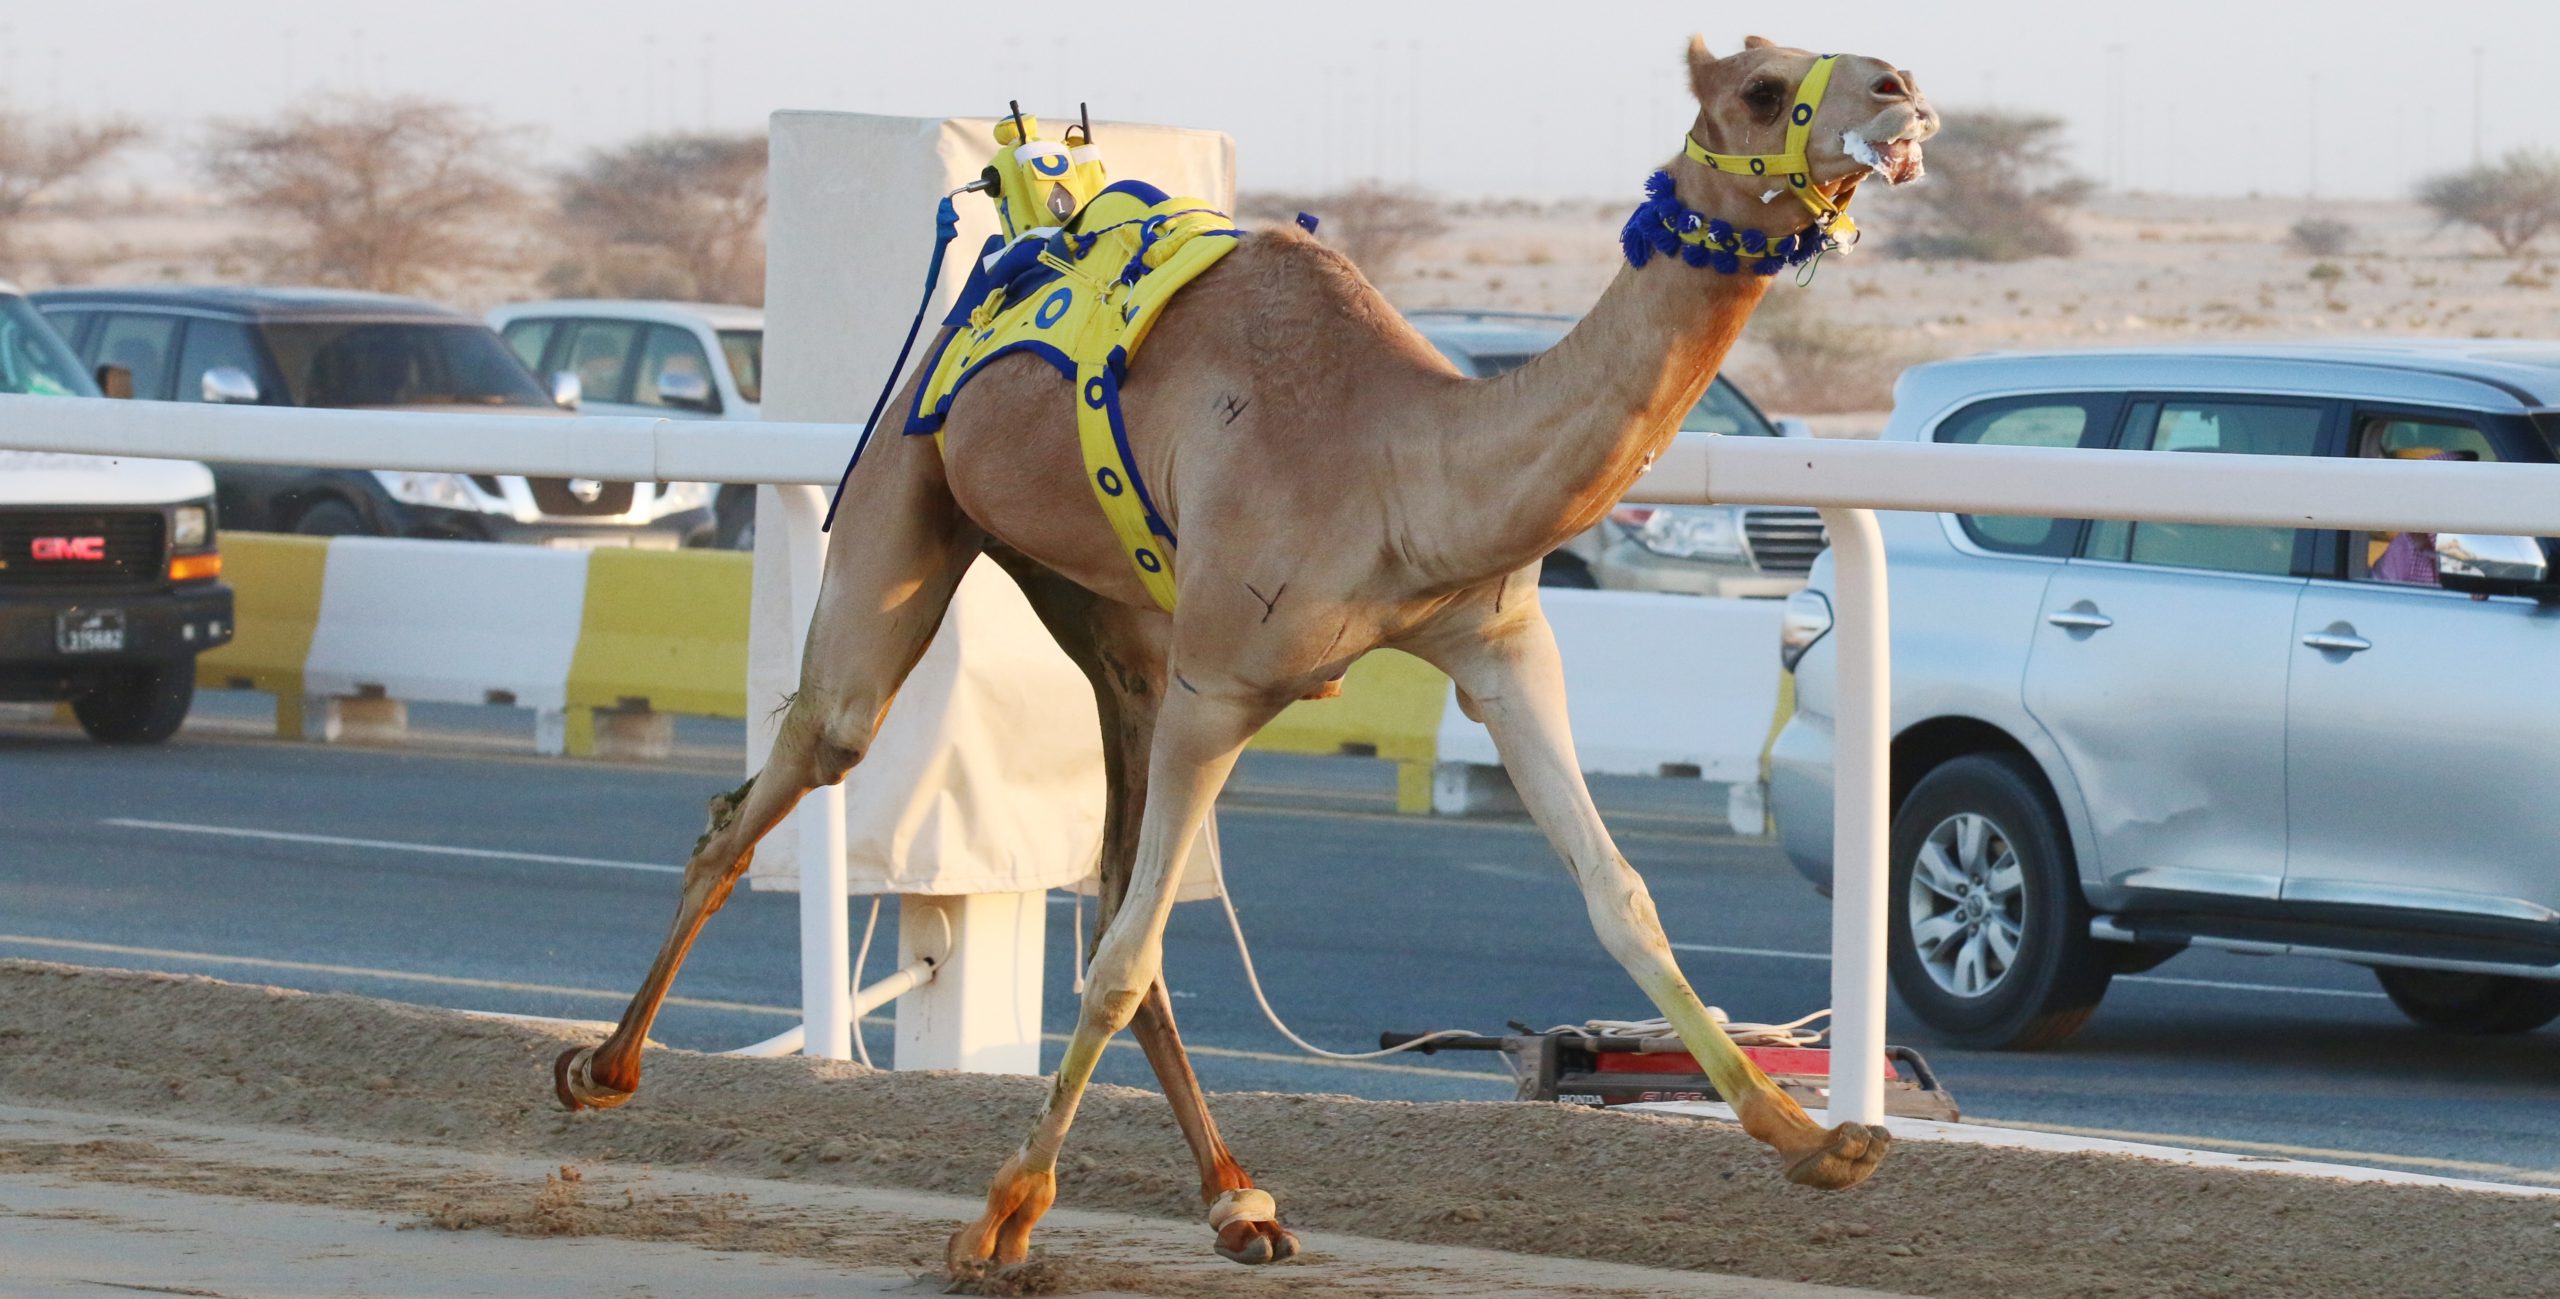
(1846, 480)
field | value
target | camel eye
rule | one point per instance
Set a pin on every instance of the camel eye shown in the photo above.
(1764, 96)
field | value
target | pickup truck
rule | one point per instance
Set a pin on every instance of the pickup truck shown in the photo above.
(110, 580)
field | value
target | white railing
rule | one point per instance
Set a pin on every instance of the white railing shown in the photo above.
(1847, 480)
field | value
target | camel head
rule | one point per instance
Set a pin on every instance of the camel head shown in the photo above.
(1867, 119)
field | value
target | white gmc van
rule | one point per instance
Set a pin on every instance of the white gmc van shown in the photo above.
(110, 582)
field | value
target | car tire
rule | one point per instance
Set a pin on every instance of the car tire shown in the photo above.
(2000, 872)
(2479, 1004)
(331, 519)
(1561, 569)
(142, 705)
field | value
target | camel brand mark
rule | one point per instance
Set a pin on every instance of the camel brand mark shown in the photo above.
(72, 549)
(1081, 296)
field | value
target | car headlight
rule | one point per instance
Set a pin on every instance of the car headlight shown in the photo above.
(676, 498)
(1807, 619)
(1683, 531)
(190, 526)
(441, 491)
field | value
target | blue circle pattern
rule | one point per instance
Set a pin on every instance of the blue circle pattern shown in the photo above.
(1147, 560)
(1109, 481)
(1053, 307)
(1094, 396)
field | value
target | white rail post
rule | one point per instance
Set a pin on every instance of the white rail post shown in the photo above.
(826, 927)
(1859, 817)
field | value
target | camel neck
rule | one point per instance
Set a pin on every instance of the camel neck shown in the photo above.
(1542, 452)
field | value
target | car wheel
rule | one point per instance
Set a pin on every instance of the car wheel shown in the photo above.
(1561, 569)
(1989, 941)
(139, 705)
(2471, 1003)
(331, 519)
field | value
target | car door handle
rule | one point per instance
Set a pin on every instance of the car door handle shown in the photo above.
(2342, 642)
(2080, 619)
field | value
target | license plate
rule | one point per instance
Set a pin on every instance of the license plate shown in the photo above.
(89, 631)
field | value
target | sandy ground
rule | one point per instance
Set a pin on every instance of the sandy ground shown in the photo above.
(1530, 1179)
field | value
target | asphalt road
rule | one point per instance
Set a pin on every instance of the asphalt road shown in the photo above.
(300, 865)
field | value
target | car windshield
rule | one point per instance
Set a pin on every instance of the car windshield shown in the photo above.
(379, 363)
(745, 350)
(1723, 410)
(33, 360)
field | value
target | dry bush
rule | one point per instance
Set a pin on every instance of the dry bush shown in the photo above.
(1819, 363)
(2320, 236)
(1374, 225)
(1997, 191)
(40, 161)
(672, 217)
(2512, 200)
(391, 195)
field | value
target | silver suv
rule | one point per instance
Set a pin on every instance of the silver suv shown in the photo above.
(1760, 551)
(2114, 741)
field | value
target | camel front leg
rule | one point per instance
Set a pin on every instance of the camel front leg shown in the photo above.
(1197, 739)
(1514, 679)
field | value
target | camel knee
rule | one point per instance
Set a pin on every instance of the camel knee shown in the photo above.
(1623, 915)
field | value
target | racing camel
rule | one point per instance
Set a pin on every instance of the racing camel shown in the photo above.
(1336, 488)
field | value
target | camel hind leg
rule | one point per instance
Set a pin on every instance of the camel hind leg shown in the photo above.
(1120, 650)
(901, 548)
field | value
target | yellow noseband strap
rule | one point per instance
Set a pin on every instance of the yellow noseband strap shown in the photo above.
(1793, 168)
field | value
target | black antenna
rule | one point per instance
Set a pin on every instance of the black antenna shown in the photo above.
(1020, 135)
(1085, 120)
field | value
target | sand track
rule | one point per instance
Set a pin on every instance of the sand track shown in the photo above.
(1937, 1220)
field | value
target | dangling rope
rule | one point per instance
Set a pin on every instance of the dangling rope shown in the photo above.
(946, 227)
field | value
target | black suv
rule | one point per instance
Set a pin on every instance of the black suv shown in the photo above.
(345, 350)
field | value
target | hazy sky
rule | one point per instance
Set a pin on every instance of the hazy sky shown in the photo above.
(1492, 97)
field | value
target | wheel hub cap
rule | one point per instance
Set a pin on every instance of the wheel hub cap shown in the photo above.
(1967, 905)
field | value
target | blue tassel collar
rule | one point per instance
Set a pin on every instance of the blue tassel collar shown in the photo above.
(1663, 224)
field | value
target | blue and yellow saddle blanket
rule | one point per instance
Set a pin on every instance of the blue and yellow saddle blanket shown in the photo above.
(1082, 295)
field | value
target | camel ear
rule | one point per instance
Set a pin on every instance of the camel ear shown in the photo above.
(1699, 61)
(1757, 42)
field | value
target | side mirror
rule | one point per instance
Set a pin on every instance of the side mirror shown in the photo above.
(230, 385)
(566, 391)
(2494, 565)
(116, 381)
(684, 389)
(1789, 426)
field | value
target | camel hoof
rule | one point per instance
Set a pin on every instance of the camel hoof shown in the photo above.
(573, 1081)
(1846, 1159)
(1254, 1243)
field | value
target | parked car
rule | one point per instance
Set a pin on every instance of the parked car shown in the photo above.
(109, 573)
(1752, 551)
(700, 360)
(2115, 741)
(315, 347)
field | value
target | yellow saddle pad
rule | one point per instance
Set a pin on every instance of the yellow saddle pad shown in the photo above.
(1083, 300)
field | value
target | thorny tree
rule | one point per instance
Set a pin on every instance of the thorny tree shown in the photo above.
(671, 217)
(382, 194)
(1997, 191)
(2514, 199)
(38, 160)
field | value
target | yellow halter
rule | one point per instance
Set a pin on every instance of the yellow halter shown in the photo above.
(1832, 218)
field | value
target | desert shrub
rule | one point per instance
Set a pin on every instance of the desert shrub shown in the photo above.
(1998, 190)
(2320, 236)
(384, 194)
(1374, 225)
(41, 160)
(1819, 363)
(668, 217)
(2511, 200)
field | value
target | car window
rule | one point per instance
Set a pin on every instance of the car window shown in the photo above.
(672, 352)
(33, 360)
(2408, 558)
(69, 322)
(600, 355)
(399, 363)
(2060, 421)
(1724, 410)
(218, 343)
(141, 344)
(744, 349)
(2211, 426)
(529, 338)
